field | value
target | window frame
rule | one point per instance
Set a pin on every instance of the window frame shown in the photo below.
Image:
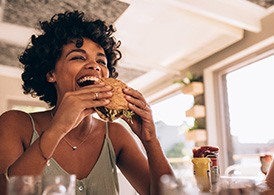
(216, 98)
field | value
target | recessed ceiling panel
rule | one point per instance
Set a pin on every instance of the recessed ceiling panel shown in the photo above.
(28, 12)
(263, 3)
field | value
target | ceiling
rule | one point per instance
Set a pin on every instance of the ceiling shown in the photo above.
(160, 38)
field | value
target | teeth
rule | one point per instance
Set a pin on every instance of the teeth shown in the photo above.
(88, 78)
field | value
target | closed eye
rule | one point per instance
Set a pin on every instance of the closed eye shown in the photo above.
(78, 58)
(102, 62)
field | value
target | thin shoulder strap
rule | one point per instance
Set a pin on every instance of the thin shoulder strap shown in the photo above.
(106, 129)
(32, 121)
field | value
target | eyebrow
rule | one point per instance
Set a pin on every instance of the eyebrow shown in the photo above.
(84, 52)
(76, 50)
(101, 55)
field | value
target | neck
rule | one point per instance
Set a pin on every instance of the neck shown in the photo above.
(84, 128)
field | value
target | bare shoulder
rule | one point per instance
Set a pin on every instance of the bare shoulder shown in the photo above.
(13, 117)
(118, 131)
(14, 134)
(14, 122)
(121, 136)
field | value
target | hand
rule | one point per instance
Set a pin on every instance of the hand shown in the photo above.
(142, 122)
(76, 105)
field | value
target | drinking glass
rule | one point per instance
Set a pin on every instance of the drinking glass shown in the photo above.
(237, 185)
(24, 185)
(170, 185)
(58, 185)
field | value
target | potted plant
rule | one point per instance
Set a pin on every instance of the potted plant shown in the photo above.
(196, 133)
(192, 84)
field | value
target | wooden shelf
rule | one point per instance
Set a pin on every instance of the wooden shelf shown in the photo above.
(194, 88)
(197, 111)
(197, 135)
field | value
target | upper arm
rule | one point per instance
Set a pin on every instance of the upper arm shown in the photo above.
(130, 159)
(11, 144)
(270, 176)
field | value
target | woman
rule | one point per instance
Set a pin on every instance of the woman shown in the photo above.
(67, 139)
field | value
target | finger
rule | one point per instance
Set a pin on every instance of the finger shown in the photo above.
(145, 115)
(147, 107)
(89, 95)
(87, 100)
(136, 98)
(95, 88)
(140, 103)
(144, 106)
(96, 95)
(102, 95)
(139, 111)
(92, 104)
(134, 93)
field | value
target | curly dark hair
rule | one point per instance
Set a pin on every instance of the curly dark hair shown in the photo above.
(45, 49)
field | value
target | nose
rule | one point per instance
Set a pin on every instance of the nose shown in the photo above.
(93, 66)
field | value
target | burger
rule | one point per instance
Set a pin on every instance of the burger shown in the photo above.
(118, 105)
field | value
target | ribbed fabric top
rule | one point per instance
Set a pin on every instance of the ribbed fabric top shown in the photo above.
(102, 180)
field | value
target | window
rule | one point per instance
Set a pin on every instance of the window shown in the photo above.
(239, 102)
(172, 110)
(26, 106)
(250, 98)
(171, 123)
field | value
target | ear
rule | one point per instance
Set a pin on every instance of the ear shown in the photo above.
(51, 77)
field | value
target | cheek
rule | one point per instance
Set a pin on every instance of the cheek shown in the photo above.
(105, 72)
(67, 75)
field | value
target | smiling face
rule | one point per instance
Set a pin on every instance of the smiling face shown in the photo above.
(78, 66)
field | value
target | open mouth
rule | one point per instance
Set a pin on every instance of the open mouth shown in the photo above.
(87, 80)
